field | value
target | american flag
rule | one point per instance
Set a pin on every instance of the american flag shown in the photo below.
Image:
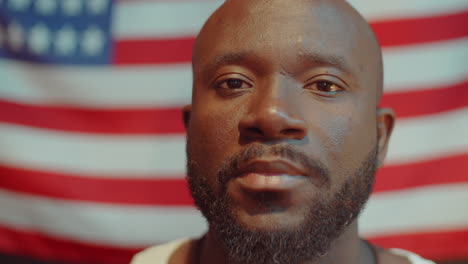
(92, 157)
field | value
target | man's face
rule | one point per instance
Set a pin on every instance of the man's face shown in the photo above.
(283, 128)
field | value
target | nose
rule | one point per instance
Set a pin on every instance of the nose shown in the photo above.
(272, 117)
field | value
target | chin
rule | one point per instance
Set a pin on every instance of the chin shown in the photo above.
(268, 221)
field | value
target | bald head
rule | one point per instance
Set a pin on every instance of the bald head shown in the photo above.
(262, 22)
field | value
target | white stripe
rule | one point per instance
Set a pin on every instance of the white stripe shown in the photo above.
(425, 209)
(98, 155)
(131, 226)
(406, 68)
(432, 208)
(429, 137)
(149, 19)
(417, 67)
(383, 10)
(414, 139)
(150, 86)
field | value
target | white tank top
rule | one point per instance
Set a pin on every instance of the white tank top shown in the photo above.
(161, 254)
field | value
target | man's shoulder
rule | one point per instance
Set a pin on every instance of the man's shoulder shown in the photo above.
(400, 256)
(159, 253)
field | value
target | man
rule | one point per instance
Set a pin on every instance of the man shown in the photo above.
(284, 136)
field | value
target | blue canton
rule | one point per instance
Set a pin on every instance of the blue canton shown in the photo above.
(56, 31)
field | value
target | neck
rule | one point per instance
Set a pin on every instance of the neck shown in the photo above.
(347, 248)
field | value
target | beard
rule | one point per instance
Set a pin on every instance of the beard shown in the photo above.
(325, 220)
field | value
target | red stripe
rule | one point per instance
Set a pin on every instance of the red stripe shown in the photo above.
(438, 246)
(37, 245)
(390, 33)
(421, 30)
(446, 170)
(153, 51)
(174, 191)
(169, 120)
(110, 121)
(168, 192)
(428, 101)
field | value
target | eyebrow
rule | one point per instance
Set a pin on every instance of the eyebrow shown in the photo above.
(335, 61)
(229, 59)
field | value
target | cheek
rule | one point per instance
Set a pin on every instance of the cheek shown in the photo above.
(349, 135)
(347, 139)
(212, 136)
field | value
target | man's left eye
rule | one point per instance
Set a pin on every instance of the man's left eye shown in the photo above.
(324, 87)
(233, 83)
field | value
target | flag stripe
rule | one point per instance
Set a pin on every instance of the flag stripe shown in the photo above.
(102, 155)
(153, 51)
(137, 226)
(172, 190)
(95, 154)
(34, 244)
(96, 87)
(160, 19)
(159, 190)
(415, 30)
(414, 67)
(170, 85)
(426, 102)
(450, 169)
(110, 121)
(166, 19)
(433, 204)
(419, 139)
(385, 10)
(438, 246)
(169, 120)
(390, 34)
(96, 223)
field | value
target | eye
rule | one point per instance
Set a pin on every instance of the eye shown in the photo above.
(233, 83)
(324, 87)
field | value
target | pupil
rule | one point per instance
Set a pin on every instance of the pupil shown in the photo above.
(233, 83)
(323, 86)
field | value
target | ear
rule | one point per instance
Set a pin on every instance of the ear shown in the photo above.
(385, 123)
(186, 115)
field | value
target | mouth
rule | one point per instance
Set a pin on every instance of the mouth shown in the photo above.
(271, 174)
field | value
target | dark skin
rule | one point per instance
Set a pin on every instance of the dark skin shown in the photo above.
(301, 73)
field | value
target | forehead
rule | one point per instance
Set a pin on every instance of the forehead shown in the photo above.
(282, 33)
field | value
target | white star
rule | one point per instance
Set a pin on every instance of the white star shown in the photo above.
(46, 7)
(93, 41)
(97, 6)
(65, 42)
(15, 36)
(19, 5)
(71, 7)
(39, 39)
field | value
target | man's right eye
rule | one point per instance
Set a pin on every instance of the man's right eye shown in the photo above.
(233, 83)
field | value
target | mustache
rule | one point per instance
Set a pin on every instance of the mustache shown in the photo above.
(313, 167)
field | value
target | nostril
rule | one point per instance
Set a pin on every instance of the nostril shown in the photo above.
(255, 130)
(290, 131)
(271, 125)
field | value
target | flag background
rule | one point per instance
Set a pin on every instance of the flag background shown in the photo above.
(92, 144)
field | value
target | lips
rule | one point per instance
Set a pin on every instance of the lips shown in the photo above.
(272, 174)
